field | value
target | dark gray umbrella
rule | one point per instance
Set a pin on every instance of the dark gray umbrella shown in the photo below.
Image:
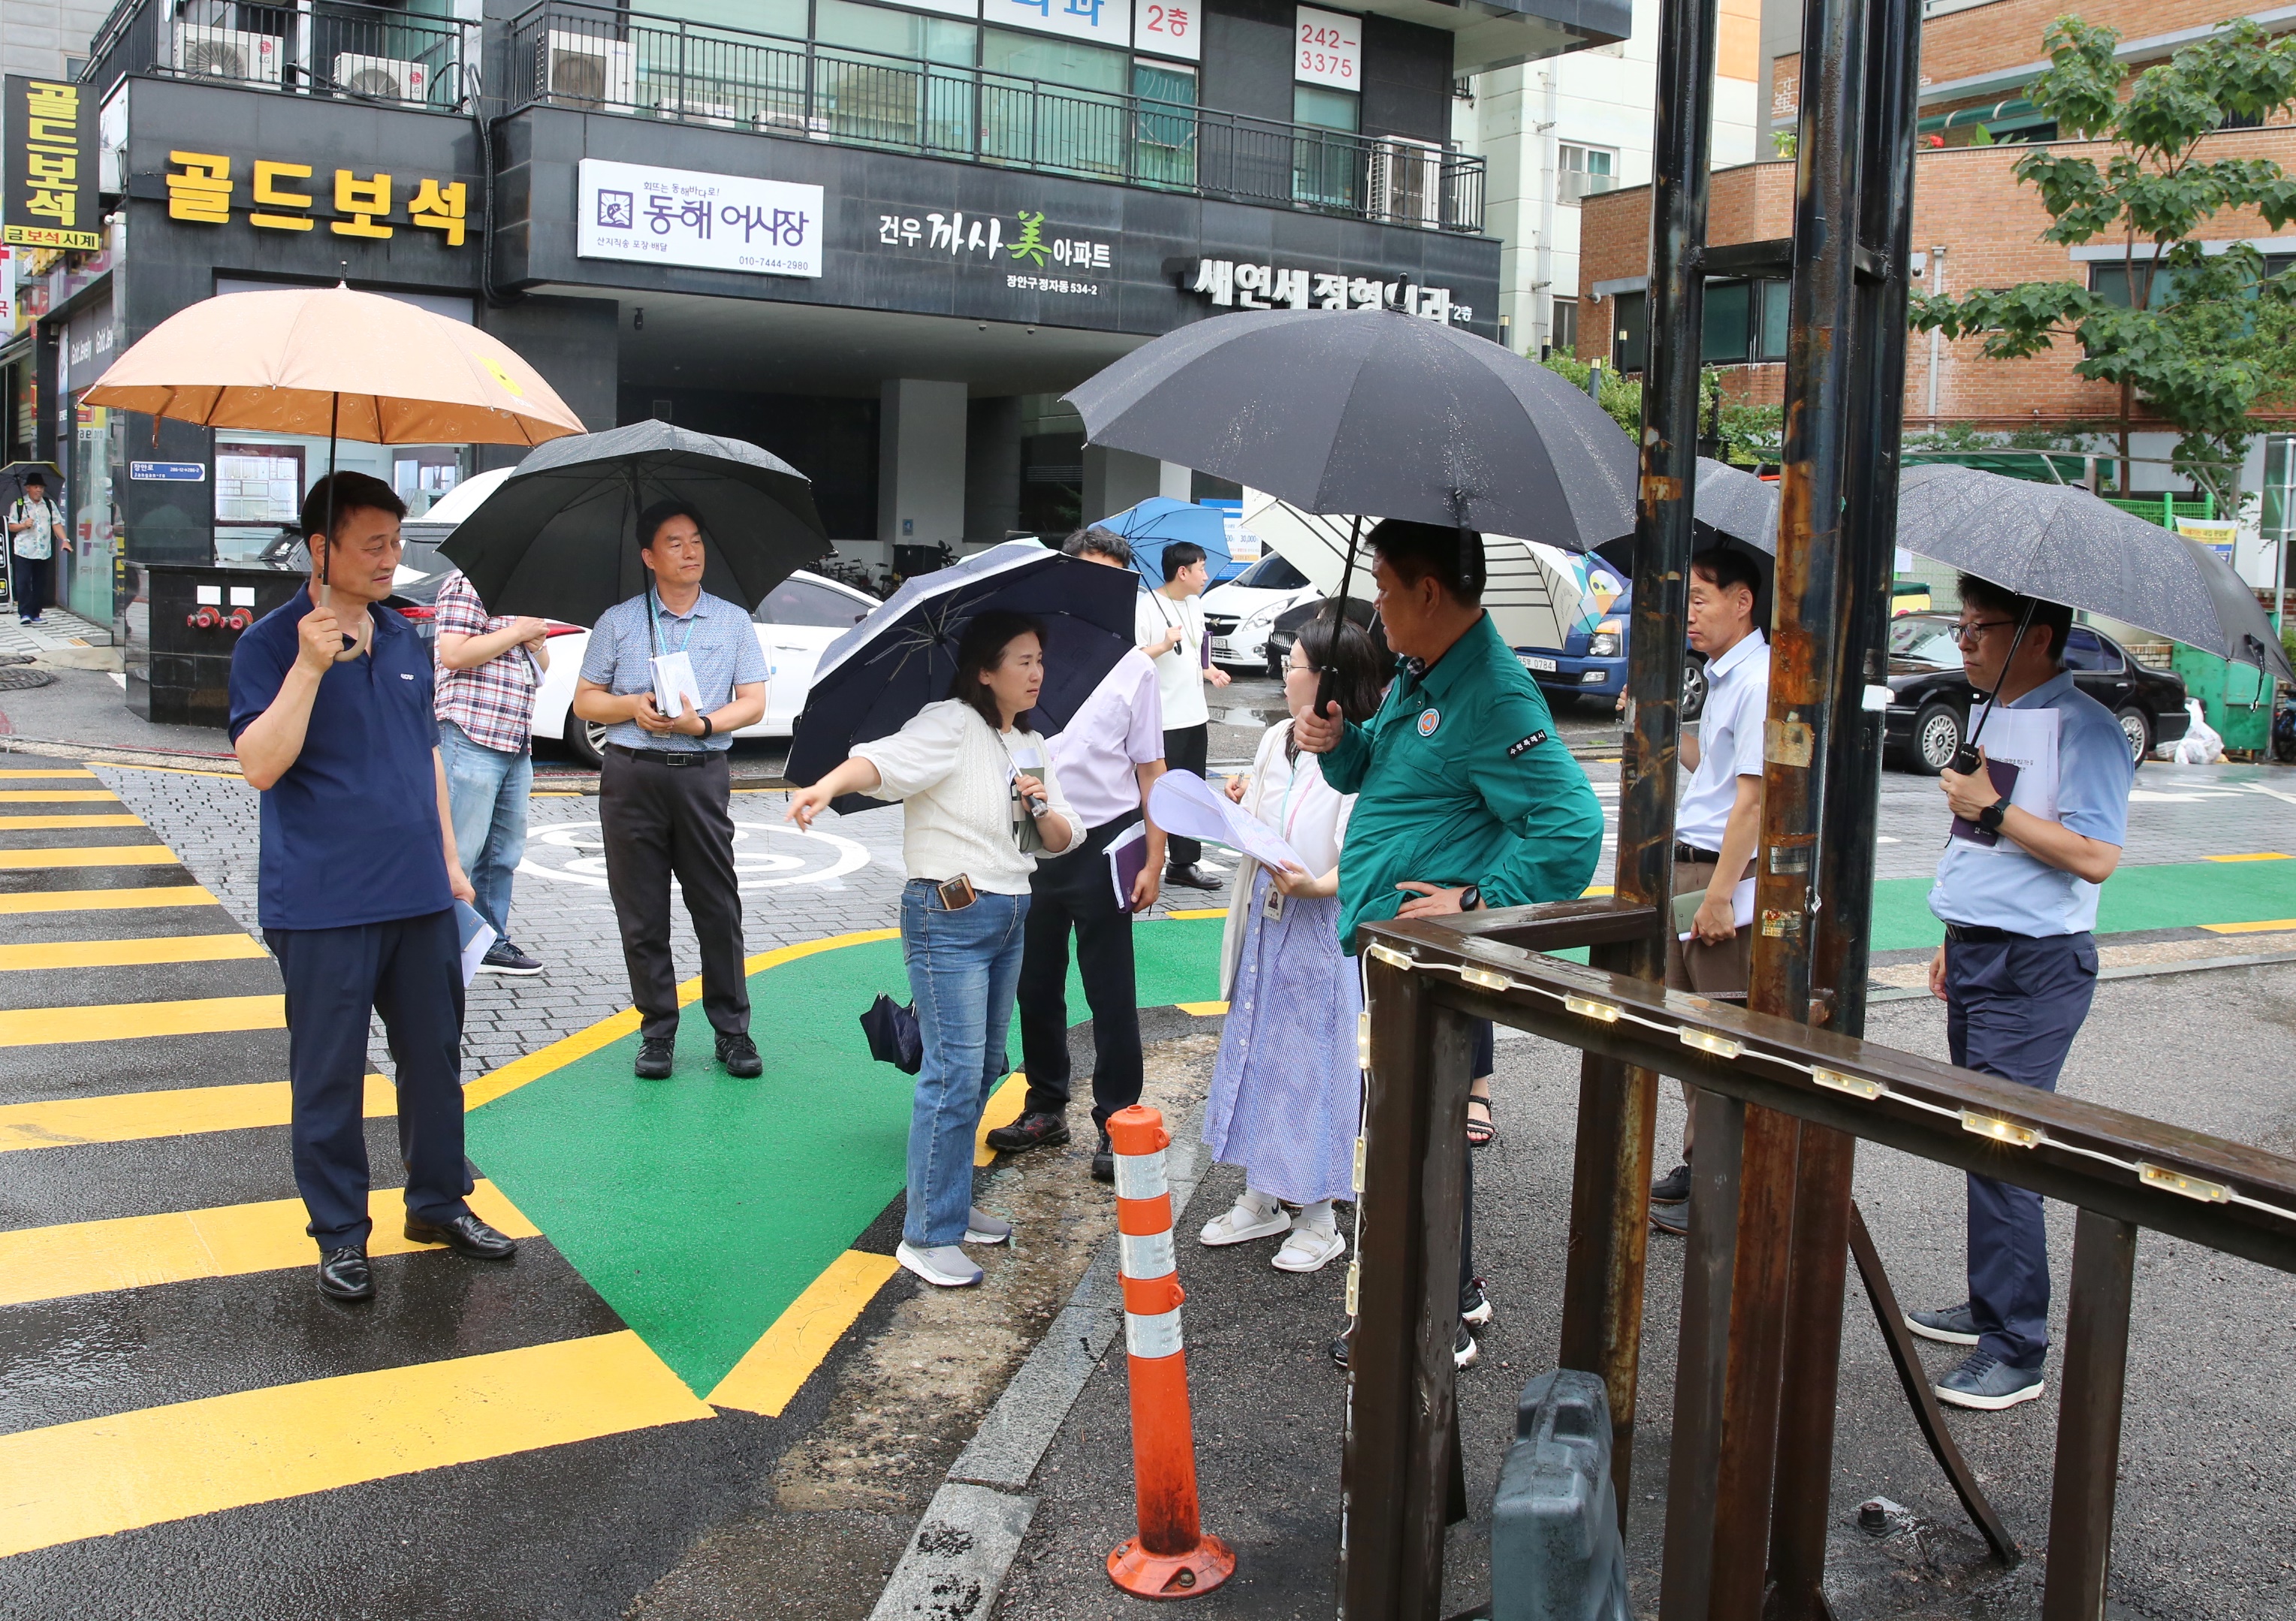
(1733, 507)
(559, 539)
(2060, 543)
(1373, 411)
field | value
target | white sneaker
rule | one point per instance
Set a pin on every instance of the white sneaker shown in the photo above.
(1248, 1219)
(944, 1265)
(1310, 1249)
(981, 1228)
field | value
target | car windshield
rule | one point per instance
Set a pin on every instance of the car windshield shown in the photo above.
(1925, 640)
(801, 602)
(1271, 573)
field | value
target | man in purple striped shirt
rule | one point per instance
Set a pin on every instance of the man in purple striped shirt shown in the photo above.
(489, 668)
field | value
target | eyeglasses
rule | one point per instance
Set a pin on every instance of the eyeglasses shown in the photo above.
(1968, 634)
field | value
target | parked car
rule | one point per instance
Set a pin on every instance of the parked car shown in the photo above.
(1239, 615)
(1929, 698)
(796, 622)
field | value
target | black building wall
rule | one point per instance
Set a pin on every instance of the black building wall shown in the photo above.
(1247, 65)
(573, 343)
(833, 442)
(1406, 82)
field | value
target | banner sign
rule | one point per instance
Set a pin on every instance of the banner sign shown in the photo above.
(52, 200)
(712, 222)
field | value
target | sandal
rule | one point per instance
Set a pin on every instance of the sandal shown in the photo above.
(1479, 1133)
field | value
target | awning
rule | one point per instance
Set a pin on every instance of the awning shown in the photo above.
(1997, 117)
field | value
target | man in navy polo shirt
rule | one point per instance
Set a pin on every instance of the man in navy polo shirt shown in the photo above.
(331, 716)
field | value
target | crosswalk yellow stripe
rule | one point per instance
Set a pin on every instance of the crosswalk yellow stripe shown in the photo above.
(106, 900)
(57, 796)
(38, 824)
(129, 953)
(772, 1371)
(115, 1021)
(181, 1111)
(1002, 1109)
(98, 1476)
(86, 855)
(227, 1241)
(72, 771)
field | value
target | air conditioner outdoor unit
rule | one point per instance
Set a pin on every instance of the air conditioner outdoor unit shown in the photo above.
(701, 113)
(212, 52)
(381, 78)
(1407, 181)
(580, 70)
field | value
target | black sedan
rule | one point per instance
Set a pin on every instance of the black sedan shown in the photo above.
(1929, 698)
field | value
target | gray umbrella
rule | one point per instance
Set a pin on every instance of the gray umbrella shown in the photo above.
(559, 539)
(2060, 543)
(1367, 410)
(1734, 507)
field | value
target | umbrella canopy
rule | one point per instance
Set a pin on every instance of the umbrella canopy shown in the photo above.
(874, 678)
(559, 537)
(327, 360)
(1733, 506)
(1314, 543)
(2060, 543)
(1157, 521)
(1365, 410)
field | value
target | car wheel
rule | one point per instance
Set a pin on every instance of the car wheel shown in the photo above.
(1694, 690)
(585, 740)
(2136, 726)
(1936, 737)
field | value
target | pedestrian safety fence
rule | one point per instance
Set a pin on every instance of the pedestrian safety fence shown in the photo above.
(1427, 978)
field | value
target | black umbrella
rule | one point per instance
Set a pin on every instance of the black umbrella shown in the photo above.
(1367, 410)
(2060, 543)
(874, 677)
(559, 539)
(1733, 506)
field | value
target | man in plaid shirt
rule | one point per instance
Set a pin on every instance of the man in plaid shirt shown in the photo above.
(488, 667)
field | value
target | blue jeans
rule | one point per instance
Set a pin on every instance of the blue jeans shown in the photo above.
(963, 969)
(487, 790)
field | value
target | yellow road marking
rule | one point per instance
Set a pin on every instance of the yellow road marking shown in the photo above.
(57, 796)
(1203, 1010)
(2261, 855)
(122, 765)
(1593, 890)
(1002, 1109)
(70, 1481)
(106, 900)
(2249, 928)
(182, 1112)
(91, 855)
(227, 1241)
(112, 1021)
(126, 953)
(774, 1370)
(1201, 911)
(28, 823)
(73, 771)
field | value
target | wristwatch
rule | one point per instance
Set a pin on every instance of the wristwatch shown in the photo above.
(1989, 818)
(1471, 898)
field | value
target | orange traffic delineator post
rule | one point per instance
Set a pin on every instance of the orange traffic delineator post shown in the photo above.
(1172, 1557)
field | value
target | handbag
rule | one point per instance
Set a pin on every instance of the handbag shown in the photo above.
(893, 1034)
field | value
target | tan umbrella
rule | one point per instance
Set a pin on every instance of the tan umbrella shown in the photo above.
(328, 360)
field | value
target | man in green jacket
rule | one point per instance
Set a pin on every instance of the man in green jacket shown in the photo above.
(1465, 798)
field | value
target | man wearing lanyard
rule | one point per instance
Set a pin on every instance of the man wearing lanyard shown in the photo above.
(1169, 626)
(35, 530)
(1720, 820)
(665, 793)
(489, 668)
(331, 719)
(1108, 756)
(2018, 966)
(1465, 798)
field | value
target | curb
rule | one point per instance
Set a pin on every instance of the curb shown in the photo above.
(2133, 970)
(956, 1561)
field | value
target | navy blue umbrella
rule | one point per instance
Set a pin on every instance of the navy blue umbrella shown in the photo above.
(874, 678)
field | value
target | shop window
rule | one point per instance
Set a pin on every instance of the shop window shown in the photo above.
(1776, 319)
(1629, 332)
(1583, 172)
(896, 95)
(1064, 62)
(1078, 121)
(1563, 326)
(785, 18)
(1325, 172)
(1164, 135)
(1728, 309)
(1322, 108)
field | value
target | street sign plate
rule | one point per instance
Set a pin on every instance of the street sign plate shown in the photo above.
(169, 473)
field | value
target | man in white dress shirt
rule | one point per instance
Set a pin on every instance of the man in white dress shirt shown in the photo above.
(1108, 755)
(1169, 629)
(1719, 818)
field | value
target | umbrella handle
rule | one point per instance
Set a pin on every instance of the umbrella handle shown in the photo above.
(1965, 761)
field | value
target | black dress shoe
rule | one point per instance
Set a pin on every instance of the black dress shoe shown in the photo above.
(656, 1055)
(343, 1274)
(1040, 1129)
(1103, 1160)
(1190, 877)
(465, 1235)
(738, 1054)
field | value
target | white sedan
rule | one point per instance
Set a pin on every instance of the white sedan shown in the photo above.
(1239, 614)
(797, 619)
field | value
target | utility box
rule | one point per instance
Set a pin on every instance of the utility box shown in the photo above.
(2236, 698)
(181, 620)
(1556, 1554)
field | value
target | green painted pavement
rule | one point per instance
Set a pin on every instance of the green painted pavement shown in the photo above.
(2168, 895)
(701, 1205)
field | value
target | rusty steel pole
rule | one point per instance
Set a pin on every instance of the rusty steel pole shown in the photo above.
(1610, 1230)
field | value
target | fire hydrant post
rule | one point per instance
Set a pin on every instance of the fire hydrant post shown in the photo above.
(1172, 1557)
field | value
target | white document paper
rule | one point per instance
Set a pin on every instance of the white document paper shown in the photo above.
(2026, 738)
(1185, 804)
(477, 935)
(1741, 907)
(673, 682)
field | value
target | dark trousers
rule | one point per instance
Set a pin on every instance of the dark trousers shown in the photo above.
(1074, 891)
(410, 972)
(32, 577)
(1185, 749)
(1483, 1061)
(658, 820)
(2012, 1007)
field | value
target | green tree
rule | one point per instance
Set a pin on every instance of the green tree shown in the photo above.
(2200, 338)
(1621, 397)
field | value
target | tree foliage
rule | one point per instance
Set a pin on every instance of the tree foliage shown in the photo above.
(2201, 338)
(1621, 397)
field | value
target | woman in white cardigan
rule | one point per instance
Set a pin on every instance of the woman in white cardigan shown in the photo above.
(980, 801)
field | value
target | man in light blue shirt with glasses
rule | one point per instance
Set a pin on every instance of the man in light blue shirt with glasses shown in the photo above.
(2018, 966)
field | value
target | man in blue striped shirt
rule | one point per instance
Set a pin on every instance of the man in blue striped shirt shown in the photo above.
(665, 792)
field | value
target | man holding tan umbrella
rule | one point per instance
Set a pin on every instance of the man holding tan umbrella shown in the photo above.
(330, 715)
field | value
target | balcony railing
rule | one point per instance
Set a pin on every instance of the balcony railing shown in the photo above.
(357, 52)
